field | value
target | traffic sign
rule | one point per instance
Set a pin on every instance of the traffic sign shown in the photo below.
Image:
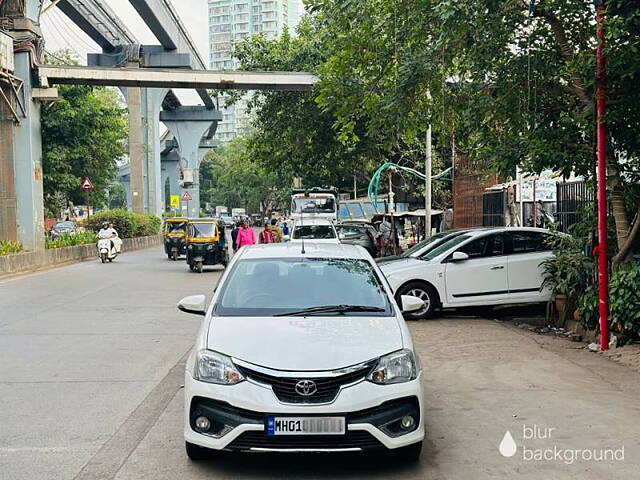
(86, 184)
(174, 201)
(186, 197)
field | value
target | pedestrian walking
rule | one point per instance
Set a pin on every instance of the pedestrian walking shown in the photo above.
(245, 235)
(234, 235)
(266, 235)
(276, 231)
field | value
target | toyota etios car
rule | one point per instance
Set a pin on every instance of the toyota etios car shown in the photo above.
(303, 350)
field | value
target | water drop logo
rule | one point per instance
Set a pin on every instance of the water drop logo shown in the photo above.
(508, 446)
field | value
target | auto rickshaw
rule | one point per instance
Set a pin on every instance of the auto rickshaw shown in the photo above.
(175, 230)
(205, 243)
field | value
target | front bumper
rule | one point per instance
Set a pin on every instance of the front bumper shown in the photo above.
(239, 411)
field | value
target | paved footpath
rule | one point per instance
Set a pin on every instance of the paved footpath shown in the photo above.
(91, 375)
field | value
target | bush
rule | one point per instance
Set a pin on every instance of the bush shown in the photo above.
(9, 246)
(128, 224)
(624, 299)
(66, 240)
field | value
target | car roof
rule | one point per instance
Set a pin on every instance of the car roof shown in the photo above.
(489, 230)
(312, 221)
(312, 250)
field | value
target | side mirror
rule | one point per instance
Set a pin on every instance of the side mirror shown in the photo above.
(459, 257)
(411, 303)
(194, 304)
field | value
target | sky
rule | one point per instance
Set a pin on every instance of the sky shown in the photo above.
(61, 33)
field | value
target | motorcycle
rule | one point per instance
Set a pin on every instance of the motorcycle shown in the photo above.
(107, 249)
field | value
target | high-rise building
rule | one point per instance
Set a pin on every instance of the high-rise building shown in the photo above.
(229, 22)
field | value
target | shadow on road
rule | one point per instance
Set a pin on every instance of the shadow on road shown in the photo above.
(301, 466)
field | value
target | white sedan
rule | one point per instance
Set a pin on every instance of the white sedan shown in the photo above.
(317, 230)
(303, 352)
(477, 268)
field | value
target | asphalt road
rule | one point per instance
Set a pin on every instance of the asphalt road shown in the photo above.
(91, 375)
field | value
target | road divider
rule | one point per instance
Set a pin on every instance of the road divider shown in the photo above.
(29, 261)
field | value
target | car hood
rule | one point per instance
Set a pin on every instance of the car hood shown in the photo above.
(401, 264)
(304, 343)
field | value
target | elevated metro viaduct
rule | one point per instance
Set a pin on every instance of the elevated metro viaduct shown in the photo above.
(148, 90)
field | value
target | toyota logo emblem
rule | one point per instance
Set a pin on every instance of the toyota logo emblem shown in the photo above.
(306, 388)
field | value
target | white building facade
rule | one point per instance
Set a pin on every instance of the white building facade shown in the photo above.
(230, 21)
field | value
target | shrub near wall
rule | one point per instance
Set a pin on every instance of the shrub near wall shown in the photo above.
(128, 224)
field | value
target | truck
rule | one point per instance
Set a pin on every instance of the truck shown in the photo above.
(238, 213)
(220, 210)
(315, 202)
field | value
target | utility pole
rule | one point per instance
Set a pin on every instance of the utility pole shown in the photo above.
(427, 184)
(601, 141)
(355, 187)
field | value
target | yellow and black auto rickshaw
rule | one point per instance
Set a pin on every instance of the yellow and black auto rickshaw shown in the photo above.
(175, 230)
(205, 243)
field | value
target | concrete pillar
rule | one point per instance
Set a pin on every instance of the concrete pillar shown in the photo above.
(136, 149)
(152, 104)
(188, 125)
(28, 163)
(171, 171)
(8, 219)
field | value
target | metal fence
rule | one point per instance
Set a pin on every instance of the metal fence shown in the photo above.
(572, 199)
(493, 208)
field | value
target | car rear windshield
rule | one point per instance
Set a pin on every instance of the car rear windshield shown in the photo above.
(440, 249)
(309, 232)
(266, 287)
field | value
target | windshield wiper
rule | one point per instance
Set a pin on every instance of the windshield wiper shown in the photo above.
(331, 308)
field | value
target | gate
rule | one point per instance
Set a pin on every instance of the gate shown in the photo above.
(493, 208)
(572, 199)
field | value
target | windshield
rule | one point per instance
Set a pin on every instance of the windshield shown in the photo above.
(175, 227)
(309, 232)
(268, 287)
(440, 249)
(202, 230)
(313, 205)
(419, 246)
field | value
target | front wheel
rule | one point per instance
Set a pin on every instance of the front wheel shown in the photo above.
(199, 267)
(196, 452)
(110, 260)
(103, 257)
(423, 291)
(174, 256)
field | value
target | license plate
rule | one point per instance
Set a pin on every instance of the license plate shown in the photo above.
(305, 426)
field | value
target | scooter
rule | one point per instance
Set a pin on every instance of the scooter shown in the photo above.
(106, 250)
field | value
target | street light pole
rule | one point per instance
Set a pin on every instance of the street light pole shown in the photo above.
(427, 184)
(601, 139)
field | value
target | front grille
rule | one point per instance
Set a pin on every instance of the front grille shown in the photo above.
(327, 387)
(351, 439)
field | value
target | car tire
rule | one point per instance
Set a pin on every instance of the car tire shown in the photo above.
(410, 453)
(196, 452)
(421, 290)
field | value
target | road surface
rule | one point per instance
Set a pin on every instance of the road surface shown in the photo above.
(91, 375)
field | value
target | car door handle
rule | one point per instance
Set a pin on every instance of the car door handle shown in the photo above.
(499, 267)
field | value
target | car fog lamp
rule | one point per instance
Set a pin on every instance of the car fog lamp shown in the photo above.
(407, 422)
(203, 423)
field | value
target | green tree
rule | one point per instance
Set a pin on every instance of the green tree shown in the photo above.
(84, 132)
(229, 176)
(512, 80)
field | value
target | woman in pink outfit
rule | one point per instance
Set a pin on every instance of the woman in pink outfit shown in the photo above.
(245, 235)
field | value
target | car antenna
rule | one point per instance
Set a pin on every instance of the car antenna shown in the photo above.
(302, 237)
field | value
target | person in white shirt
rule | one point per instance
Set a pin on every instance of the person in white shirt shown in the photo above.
(107, 231)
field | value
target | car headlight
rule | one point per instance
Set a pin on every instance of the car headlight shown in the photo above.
(213, 367)
(396, 367)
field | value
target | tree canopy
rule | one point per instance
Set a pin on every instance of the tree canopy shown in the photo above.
(84, 133)
(512, 81)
